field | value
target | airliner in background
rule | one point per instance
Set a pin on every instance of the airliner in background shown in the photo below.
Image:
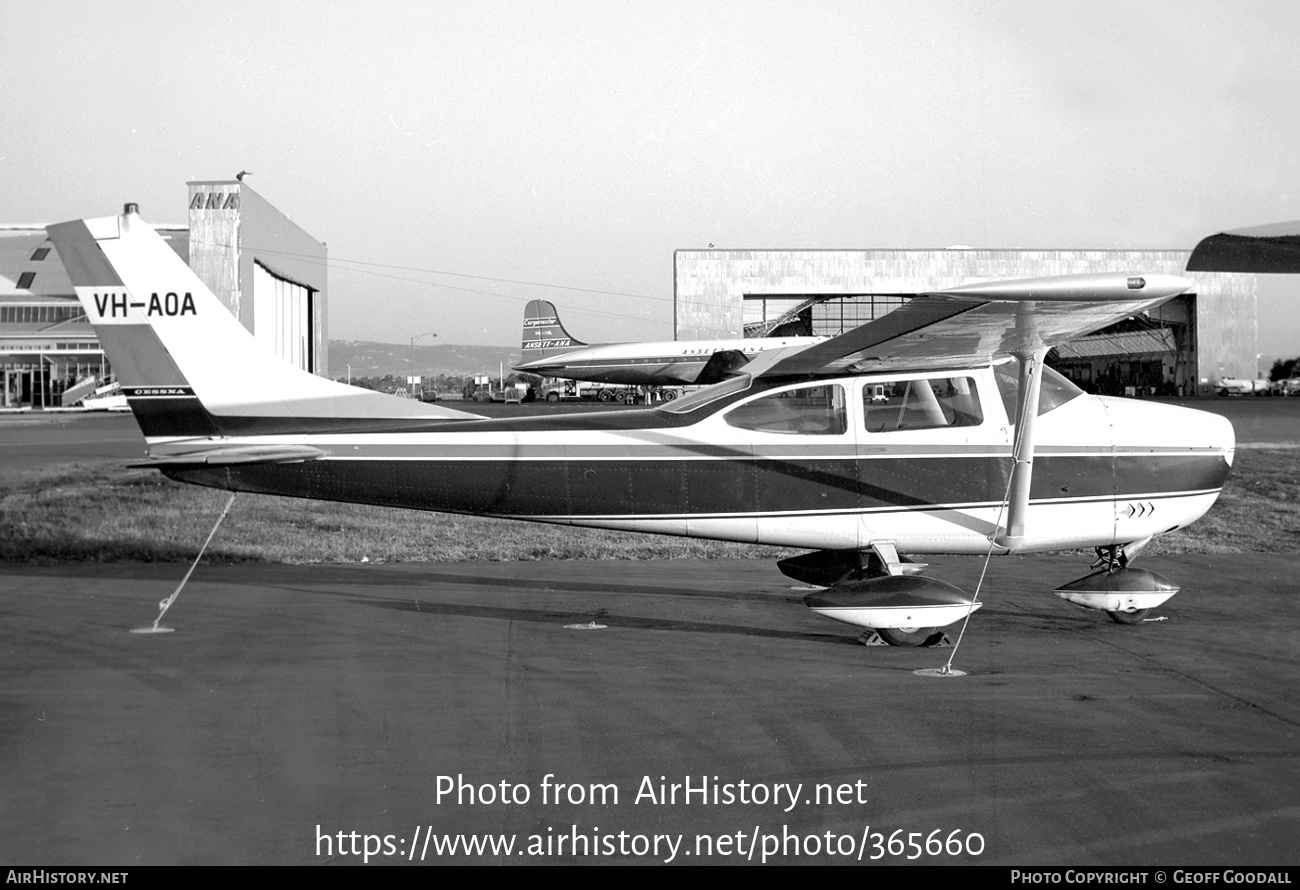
(550, 351)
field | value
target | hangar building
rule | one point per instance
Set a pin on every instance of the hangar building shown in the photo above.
(1181, 348)
(268, 271)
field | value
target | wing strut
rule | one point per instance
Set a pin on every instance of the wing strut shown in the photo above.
(1016, 498)
(1022, 473)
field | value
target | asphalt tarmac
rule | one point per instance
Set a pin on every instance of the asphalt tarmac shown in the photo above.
(350, 714)
(294, 703)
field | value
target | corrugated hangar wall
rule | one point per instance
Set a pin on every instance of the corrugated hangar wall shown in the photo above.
(710, 288)
(270, 273)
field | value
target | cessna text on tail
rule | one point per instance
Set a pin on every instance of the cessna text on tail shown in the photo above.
(549, 350)
(935, 429)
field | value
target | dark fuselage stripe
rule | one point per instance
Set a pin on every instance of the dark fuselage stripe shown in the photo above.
(713, 487)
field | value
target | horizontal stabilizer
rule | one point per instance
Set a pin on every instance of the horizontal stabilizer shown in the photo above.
(228, 455)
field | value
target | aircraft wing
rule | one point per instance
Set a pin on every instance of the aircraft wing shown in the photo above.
(1274, 248)
(974, 323)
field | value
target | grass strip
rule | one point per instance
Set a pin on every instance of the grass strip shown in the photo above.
(107, 513)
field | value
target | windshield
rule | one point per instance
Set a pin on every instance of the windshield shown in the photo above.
(1054, 391)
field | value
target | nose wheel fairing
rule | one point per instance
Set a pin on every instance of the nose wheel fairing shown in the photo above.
(1124, 593)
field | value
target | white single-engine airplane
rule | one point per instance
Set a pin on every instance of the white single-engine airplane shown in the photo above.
(797, 449)
(551, 351)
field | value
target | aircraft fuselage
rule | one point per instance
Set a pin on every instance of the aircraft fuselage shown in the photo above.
(650, 364)
(920, 459)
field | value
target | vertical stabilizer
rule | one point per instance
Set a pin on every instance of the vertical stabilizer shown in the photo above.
(186, 365)
(544, 335)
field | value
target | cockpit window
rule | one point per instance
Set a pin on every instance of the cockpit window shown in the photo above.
(924, 404)
(708, 395)
(808, 410)
(1053, 392)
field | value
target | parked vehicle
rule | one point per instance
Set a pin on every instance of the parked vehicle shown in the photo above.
(560, 391)
(487, 393)
(563, 390)
(1235, 386)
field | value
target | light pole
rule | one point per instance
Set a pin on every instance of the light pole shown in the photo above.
(410, 378)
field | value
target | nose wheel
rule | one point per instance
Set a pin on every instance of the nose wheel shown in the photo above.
(1137, 616)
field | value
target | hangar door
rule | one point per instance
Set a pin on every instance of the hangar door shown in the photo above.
(807, 315)
(283, 318)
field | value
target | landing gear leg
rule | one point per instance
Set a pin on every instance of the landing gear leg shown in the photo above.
(1114, 558)
(1110, 558)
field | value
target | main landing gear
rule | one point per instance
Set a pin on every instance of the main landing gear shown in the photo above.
(882, 592)
(648, 395)
(903, 636)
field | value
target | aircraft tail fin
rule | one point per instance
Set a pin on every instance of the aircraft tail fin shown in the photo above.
(544, 335)
(188, 368)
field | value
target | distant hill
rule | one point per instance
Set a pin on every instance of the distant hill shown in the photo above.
(378, 359)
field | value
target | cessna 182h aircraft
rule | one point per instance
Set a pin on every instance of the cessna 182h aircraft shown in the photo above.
(551, 351)
(797, 449)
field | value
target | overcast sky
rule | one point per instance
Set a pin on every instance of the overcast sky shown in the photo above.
(578, 144)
